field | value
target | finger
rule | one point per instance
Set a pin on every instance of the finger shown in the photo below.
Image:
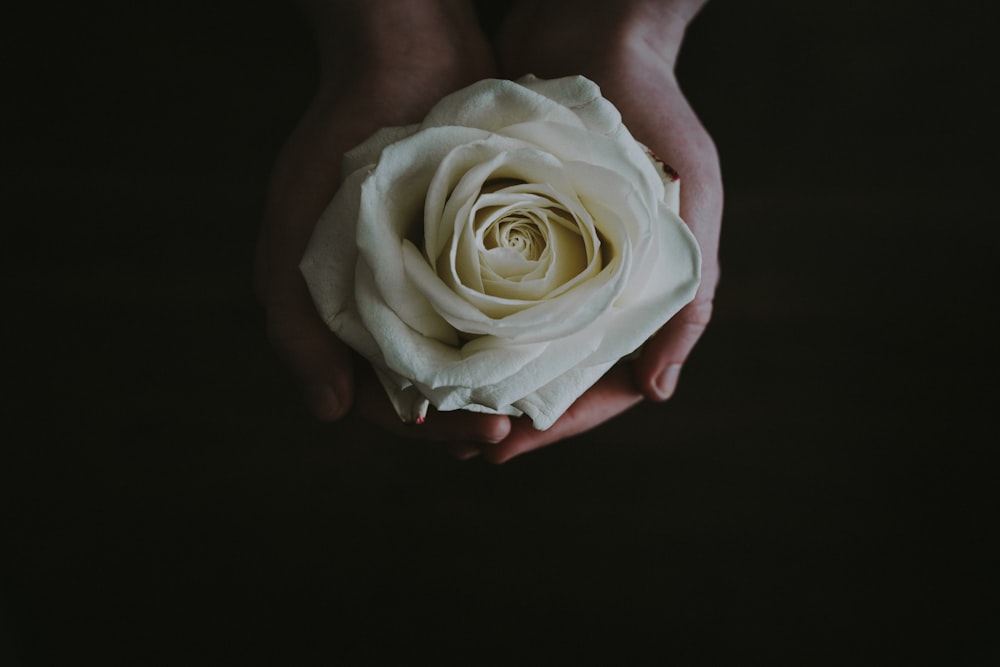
(612, 395)
(457, 426)
(321, 363)
(303, 181)
(658, 368)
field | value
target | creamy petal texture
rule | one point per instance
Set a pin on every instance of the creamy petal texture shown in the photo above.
(504, 253)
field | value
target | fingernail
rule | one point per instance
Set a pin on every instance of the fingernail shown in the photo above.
(497, 433)
(666, 381)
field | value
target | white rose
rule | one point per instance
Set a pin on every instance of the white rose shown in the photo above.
(504, 253)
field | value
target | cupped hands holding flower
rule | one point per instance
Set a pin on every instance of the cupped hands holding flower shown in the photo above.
(528, 257)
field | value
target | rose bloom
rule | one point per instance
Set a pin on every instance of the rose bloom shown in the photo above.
(504, 253)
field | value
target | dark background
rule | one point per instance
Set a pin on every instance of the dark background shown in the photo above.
(818, 492)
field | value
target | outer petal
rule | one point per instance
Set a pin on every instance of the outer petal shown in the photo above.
(619, 153)
(582, 96)
(430, 362)
(406, 399)
(493, 104)
(390, 211)
(548, 403)
(329, 267)
(366, 154)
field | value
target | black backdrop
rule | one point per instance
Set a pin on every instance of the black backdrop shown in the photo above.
(818, 492)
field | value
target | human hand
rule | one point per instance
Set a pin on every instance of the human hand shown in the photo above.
(383, 64)
(629, 49)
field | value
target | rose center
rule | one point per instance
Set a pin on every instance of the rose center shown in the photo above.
(517, 232)
(521, 243)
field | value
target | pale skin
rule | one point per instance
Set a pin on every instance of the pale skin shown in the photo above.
(386, 63)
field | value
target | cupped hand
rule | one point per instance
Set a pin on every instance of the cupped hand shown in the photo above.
(383, 64)
(629, 49)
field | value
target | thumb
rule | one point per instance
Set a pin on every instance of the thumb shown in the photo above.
(658, 368)
(322, 363)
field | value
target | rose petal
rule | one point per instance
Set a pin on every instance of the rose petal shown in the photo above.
(407, 400)
(581, 95)
(329, 267)
(367, 153)
(619, 153)
(492, 104)
(546, 404)
(430, 363)
(390, 211)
